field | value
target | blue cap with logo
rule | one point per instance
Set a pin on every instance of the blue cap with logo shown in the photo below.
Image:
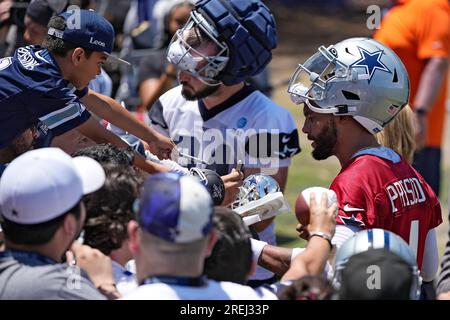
(89, 30)
(175, 208)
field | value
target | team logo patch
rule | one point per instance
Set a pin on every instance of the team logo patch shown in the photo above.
(351, 221)
(371, 61)
(26, 59)
(242, 122)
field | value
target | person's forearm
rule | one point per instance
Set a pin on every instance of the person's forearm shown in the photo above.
(93, 130)
(275, 259)
(311, 261)
(110, 110)
(430, 83)
(148, 166)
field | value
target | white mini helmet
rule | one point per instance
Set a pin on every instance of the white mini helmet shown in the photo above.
(377, 239)
(357, 77)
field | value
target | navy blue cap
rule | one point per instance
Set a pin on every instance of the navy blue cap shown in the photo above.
(175, 208)
(88, 30)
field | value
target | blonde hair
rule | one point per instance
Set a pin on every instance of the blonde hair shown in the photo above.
(399, 134)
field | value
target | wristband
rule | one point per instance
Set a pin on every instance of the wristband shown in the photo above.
(323, 235)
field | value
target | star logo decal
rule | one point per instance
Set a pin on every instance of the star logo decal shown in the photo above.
(371, 61)
(352, 221)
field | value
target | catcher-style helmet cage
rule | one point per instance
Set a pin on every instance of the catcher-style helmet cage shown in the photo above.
(213, 183)
(377, 239)
(244, 32)
(357, 77)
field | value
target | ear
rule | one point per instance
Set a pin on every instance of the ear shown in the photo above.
(77, 56)
(212, 240)
(134, 238)
(70, 225)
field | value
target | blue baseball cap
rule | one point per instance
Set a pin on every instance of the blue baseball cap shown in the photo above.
(175, 208)
(88, 30)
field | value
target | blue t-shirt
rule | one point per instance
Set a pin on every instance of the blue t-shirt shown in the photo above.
(32, 88)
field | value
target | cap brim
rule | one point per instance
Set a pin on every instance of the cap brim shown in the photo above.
(114, 59)
(90, 172)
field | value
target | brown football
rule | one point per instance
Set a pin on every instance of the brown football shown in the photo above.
(302, 202)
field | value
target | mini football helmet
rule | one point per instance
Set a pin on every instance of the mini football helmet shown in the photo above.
(213, 183)
(259, 198)
(358, 77)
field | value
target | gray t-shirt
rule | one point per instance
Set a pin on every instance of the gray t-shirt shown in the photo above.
(29, 276)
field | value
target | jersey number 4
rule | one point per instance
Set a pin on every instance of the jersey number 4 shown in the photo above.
(414, 236)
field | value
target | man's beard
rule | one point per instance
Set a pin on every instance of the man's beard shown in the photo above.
(200, 94)
(325, 142)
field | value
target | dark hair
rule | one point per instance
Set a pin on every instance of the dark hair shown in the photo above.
(307, 288)
(231, 258)
(196, 37)
(57, 46)
(107, 153)
(36, 234)
(167, 35)
(109, 209)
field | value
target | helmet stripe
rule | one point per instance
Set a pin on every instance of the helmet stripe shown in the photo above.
(370, 238)
(386, 240)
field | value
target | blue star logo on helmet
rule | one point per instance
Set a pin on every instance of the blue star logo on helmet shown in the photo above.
(371, 61)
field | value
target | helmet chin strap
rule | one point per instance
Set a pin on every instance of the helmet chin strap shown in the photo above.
(338, 110)
(209, 84)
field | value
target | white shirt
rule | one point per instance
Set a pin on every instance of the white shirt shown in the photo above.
(248, 127)
(125, 279)
(213, 290)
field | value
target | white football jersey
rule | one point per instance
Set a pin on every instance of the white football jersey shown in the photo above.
(248, 127)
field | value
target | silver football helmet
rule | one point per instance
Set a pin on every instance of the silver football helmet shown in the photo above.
(357, 77)
(259, 198)
(377, 239)
(255, 187)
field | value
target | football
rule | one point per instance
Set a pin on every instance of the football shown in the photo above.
(302, 202)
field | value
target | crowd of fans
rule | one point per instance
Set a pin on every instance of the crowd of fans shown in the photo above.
(106, 191)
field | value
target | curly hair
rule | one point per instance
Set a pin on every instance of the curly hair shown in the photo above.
(109, 209)
(231, 258)
(105, 153)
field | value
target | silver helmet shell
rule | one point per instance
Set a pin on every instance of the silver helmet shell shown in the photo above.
(358, 77)
(255, 187)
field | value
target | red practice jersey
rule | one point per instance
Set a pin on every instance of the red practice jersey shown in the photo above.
(379, 192)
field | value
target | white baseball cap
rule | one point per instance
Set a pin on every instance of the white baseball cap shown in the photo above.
(175, 208)
(43, 184)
